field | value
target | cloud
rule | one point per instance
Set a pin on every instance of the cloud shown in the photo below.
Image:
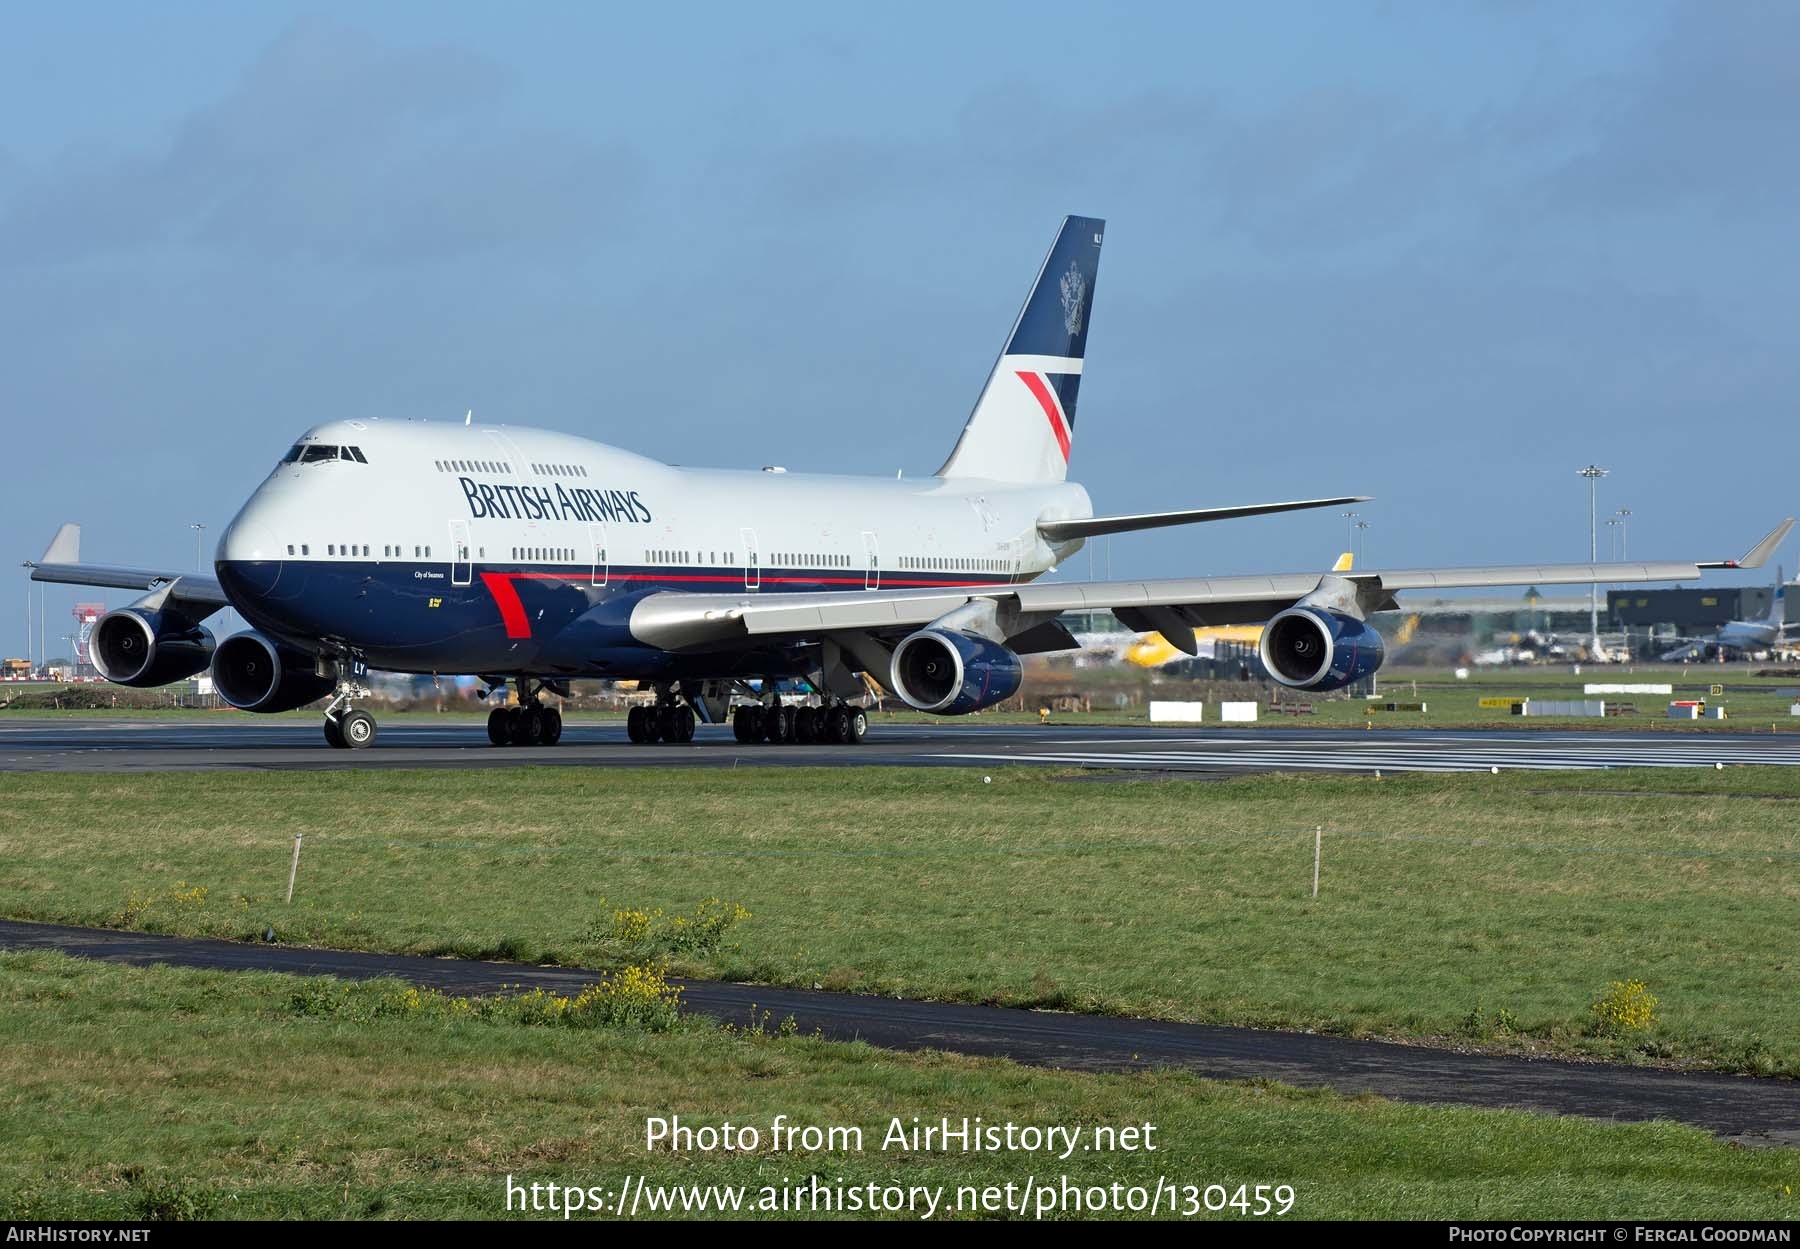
(1712, 120)
(338, 148)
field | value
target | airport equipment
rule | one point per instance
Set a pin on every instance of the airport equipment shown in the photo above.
(1563, 707)
(530, 558)
(1685, 709)
(1650, 687)
(1176, 713)
(1240, 713)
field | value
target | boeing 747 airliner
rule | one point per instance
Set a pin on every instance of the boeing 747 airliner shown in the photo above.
(538, 557)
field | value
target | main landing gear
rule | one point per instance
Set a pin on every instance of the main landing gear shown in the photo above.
(531, 723)
(665, 722)
(839, 724)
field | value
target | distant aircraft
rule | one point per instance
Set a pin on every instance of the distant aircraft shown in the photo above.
(1773, 632)
(1152, 650)
(536, 557)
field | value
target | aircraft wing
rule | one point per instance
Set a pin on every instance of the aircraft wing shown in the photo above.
(680, 621)
(199, 592)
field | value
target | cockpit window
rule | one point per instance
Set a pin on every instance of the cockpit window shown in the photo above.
(315, 453)
(355, 453)
(293, 454)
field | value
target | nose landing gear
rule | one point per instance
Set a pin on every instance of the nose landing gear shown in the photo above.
(346, 727)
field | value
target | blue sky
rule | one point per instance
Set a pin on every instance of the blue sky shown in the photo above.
(1439, 253)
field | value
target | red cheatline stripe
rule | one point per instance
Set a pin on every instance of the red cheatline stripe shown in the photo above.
(1035, 384)
(506, 596)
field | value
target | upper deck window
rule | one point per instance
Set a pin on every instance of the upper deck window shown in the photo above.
(316, 452)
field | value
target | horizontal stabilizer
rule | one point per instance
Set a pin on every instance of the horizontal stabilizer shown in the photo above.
(1069, 530)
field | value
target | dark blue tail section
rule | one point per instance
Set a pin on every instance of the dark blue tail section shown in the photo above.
(1024, 421)
(1055, 319)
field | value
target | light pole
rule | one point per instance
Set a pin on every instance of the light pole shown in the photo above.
(1350, 521)
(27, 567)
(198, 529)
(1624, 518)
(1356, 545)
(1593, 473)
(1612, 537)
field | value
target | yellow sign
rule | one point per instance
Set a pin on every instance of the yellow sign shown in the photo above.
(1718, 691)
(1507, 703)
(437, 602)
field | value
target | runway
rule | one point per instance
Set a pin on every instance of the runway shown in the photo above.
(1741, 1108)
(109, 744)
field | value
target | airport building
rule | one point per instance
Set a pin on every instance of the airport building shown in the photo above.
(1688, 611)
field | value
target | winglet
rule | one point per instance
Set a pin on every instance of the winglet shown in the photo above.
(1757, 555)
(65, 547)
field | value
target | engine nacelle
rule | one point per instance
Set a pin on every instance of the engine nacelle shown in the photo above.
(256, 673)
(142, 647)
(1307, 648)
(951, 674)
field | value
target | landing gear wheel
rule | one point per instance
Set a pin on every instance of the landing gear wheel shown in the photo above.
(740, 724)
(357, 729)
(778, 725)
(334, 733)
(837, 726)
(751, 718)
(552, 726)
(806, 725)
(858, 726)
(497, 726)
(635, 728)
(527, 727)
(684, 725)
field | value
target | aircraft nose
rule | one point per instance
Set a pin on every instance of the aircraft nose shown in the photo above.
(249, 559)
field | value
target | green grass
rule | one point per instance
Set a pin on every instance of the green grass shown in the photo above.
(1488, 911)
(127, 1093)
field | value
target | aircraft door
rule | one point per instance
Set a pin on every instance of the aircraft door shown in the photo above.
(871, 561)
(752, 561)
(597, 553)
(460, 563)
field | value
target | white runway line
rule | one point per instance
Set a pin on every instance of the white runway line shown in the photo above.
(1440, 756)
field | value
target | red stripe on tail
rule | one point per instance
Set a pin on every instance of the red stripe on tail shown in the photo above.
(1035, 384)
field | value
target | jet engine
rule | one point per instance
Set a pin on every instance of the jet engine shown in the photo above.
(142, 647)
(256, 673)
(1307, 648)
(949, 673)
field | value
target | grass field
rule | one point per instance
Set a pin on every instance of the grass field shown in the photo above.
(133, 1093)
(1489, 911)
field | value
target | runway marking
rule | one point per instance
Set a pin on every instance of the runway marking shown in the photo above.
(1407, 757)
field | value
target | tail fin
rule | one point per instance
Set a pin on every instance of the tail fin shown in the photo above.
(1777, 602)
(1344, 562)
(1022, 425)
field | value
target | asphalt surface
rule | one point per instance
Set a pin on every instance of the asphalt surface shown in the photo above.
(1740, 1108)
(105, 743)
